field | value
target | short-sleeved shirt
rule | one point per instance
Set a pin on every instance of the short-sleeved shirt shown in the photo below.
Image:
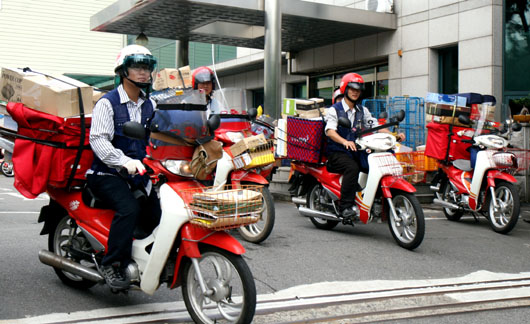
(332, 119)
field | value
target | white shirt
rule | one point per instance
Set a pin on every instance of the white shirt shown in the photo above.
(332, 119)
(102, 128)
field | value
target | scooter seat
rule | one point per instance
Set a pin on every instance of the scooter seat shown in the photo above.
(464, 165)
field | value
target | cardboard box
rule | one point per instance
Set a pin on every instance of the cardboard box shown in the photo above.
(446, 110)
(97, 94)
(247, 144)
(486, 111)
(313, 113)
(171, 78)
(292, 107)
(56, 95)
(253, 159)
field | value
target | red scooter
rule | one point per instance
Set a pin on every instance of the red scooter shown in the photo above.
(386, 194)
(236, 124)
(188, 248)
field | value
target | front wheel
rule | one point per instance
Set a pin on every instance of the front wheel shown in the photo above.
(408, 224)
(7, 169)
(230, 290)
(503, 217)
(258, 232)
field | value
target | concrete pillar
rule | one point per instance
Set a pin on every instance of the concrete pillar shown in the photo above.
(272, 58)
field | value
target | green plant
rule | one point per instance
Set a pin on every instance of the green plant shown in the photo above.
(524, 101)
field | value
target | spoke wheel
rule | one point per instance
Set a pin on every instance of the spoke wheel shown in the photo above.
(64, 236)
(231, 292)
(7, 169)
(408, 226)
(258, 232)
(313, 202)
(504, 217)
(450, 214)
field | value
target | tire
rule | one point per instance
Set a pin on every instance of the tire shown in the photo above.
(451, 214)
(504, 219)
(313, 203)
(258, 232)
(219, 269)
(7, 169)
(409, 228)
(58, 240)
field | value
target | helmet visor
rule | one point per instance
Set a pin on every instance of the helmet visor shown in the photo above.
(203, 76)
(356, 85)
(140, 61)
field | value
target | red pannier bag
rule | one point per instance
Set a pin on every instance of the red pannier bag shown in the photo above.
(46, 150)
(305, 139)
(438, 142)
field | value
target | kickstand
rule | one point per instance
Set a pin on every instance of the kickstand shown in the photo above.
(475, 217)
(526, 220)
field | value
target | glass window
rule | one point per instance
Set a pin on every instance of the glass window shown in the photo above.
(258, 98)
(517, 46)
(448, 70)
(300, 90)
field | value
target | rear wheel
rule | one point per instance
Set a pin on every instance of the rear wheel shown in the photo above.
(7, 169)
(503, 217)
(258, 232)
(408, 225)
(231, 292)
(63, 238)
(314, 203)
(450, 214)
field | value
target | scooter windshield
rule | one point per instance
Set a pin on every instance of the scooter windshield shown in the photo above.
(182, 116)
(229, 101)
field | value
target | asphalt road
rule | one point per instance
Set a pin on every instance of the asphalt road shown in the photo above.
(296, 254)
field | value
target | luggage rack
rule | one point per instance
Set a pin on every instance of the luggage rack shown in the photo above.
(224, 209)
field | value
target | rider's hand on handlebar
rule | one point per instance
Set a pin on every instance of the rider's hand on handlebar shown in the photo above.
(400, 137)
(350, 145)
(134, 166)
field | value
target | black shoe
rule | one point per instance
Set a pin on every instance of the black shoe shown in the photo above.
(348, 213)
(114, 277)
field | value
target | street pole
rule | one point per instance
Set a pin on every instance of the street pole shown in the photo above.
(272, 58)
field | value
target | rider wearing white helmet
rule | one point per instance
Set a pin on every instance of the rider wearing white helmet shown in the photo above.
(113, 151)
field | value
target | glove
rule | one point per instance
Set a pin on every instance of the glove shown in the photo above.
(134, 166)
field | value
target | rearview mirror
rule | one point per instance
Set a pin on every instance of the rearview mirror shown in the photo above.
(252, 113)
(134, 130)
(516, 127)
(344, 122)
(213, 122)
(383, 115)
(401, 115)
(464, 119)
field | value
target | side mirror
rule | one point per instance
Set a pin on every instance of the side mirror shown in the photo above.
(252, 113)
(516, 127)
(401, 115)
(344, 122)
(464, 119)
(134, 130)
(213, 122)
(383, 115)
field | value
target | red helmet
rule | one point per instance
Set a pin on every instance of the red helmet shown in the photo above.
(352, 80)
(337, 95)
(202, 74)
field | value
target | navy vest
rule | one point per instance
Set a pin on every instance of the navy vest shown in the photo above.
(133, 148)
(349, 134)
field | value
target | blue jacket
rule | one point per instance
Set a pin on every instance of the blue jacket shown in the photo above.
(133, 148)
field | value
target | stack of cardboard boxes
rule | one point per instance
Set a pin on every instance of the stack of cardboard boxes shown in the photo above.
(252, 152)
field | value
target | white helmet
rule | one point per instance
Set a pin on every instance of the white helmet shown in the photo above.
(134, 54)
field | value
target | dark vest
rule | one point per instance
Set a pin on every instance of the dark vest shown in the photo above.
(132, 148)
(349, 134)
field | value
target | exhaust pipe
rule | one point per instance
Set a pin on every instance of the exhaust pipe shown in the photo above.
(445, 204)
(299, 201)
(75, 268)
(313, 213)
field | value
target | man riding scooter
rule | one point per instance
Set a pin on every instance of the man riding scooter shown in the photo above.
(114, 151)
(341, 149)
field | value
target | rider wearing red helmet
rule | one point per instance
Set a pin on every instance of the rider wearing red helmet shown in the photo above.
(203, 79)
(337, 95)
(341, 150)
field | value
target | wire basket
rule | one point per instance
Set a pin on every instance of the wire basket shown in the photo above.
(413, 165)
(255, 157)
(224, 209)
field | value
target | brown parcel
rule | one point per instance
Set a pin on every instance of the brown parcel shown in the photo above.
(57, 96)
(170, 78)
(247, 144)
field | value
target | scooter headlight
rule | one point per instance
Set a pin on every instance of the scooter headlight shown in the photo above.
(178, 167)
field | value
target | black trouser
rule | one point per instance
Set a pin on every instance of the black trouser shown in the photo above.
(339, 162)
(114, 192)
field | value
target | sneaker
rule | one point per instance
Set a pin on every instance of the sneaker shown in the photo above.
(114, 277)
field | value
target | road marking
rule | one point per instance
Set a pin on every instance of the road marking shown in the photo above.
(17, 195)
(353, 296)
(18, 212)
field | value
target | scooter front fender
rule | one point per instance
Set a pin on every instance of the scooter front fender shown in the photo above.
(493, 175)
(390, 182)
(189, 246)
(239, 176)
